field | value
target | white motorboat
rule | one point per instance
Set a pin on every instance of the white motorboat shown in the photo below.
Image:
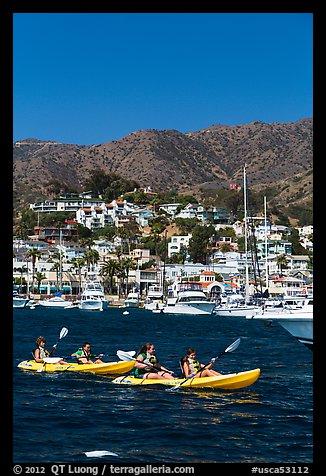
(20, 301)
(297, 320)
(55, 302)
(237, 308)
(89, 302)
(190, 299)
(132, 300)
(154, 299)
(94, 288)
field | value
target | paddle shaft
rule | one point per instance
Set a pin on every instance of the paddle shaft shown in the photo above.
(124, 356)
(63, 333)
(154, 366)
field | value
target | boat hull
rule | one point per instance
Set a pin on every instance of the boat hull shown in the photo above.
(91, 306)
(237, 311)
(55, 304)
(132, 304)
(226, 382)
(20, 303)
(107, 368)
(193, 308)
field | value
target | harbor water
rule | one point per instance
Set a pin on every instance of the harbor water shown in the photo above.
(58, 417)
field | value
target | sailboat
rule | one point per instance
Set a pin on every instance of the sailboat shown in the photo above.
(241, 308)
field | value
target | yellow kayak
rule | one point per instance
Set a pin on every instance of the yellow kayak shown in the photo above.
(227, 382)
(107, 368)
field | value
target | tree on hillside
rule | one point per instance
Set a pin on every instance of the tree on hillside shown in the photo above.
(27, 222)
(297, 248)
(186, 225)
(198, 244)
(57, 187)
(110, 186)
(83, 231)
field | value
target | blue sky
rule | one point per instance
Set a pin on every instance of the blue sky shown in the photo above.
(90, 78)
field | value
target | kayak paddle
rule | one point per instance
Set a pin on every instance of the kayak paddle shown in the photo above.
(63, 333)
(230, 348)
(126, 356)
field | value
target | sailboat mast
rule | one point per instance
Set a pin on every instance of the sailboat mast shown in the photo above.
(60, 254)
(245, 231)
(266, 248)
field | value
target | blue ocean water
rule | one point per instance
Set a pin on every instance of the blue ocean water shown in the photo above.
(59, 417)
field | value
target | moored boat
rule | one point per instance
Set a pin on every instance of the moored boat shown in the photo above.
(226, 382)
(132, 300)
(55, 302)
(89, 302)
(20, 301)
(106, 368)
(154, 299)
(188, 298)
(298, 321)
(94, 288)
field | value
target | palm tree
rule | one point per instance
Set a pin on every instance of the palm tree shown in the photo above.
(56, 268)
(78, 263)
(126, 265)
(22, 271)
(87, 242)
(39, 278)
(109, 270)
(33, 253)
(91, 257)
(282, 261)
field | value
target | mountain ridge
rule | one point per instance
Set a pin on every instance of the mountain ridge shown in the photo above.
(276, 154)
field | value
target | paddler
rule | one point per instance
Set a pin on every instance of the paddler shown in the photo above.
(40, 352)
(148, 366)
(84, 355)
(190, 366)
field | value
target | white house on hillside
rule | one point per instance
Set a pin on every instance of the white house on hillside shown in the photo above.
(174, 247)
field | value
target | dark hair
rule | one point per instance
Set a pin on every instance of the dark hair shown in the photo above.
(85, 343)
(144, 348)
(190, 350)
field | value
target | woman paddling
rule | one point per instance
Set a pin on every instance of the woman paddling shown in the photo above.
(40, 352)
(149, 366)
(190, 366)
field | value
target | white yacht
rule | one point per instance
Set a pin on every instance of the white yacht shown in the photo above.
(94, 288)
(89, 302)
(132, 300)
(188, 298)
(55, 302)
(154, 298)
(236, 308)
(296, 319)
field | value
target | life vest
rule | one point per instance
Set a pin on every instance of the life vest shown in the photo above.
(84, 355)
(43, 352)
(194, 365)
(148, 359)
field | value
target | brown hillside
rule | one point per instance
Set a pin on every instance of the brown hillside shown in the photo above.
(277, 154)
